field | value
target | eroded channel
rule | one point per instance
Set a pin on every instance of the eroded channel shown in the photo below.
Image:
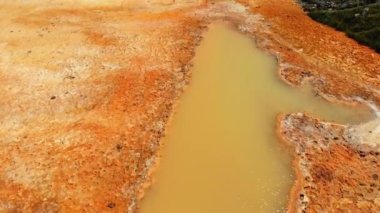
(221, 153)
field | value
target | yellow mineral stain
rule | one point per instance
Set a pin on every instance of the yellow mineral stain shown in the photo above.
(221, 153)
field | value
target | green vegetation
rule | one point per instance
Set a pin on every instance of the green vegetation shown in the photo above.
(360, 23)
(311, 5)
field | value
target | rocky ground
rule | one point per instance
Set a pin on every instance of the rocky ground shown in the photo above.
(333, 173)
(88, 90)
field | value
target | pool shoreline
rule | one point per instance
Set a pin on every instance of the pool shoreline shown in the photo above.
(295, 189)
(258, 37)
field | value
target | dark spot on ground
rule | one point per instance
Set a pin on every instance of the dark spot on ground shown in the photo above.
(323, 174)
(375, 176)
(302, 196)
(70, 77)
(111, 205)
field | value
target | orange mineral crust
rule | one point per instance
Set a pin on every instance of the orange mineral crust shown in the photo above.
(343, 68)
(86, 94)
(333, 174)
(88, 90)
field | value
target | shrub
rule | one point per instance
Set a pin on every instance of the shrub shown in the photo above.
(360, 23)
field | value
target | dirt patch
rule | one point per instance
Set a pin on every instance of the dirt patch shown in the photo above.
(332, 173)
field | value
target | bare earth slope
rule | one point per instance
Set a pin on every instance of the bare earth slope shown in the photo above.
(87, 92)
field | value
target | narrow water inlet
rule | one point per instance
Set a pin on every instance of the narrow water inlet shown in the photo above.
(221, 153)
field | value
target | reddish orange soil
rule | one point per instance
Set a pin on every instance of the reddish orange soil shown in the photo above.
(87, 93)
(332, 174)
(321, 51)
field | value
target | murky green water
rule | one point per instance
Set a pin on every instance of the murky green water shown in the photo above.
(221, 153)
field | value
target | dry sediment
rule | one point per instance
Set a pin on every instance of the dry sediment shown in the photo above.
(87, 93)
(333, 174)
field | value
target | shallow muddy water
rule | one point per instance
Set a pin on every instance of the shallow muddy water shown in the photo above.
(221, 153)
